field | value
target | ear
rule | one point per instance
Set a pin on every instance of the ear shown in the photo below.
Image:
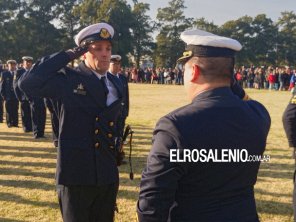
(195, 73)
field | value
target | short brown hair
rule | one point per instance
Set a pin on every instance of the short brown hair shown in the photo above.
(215, 69)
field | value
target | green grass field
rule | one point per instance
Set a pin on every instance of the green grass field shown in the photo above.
(27, 166)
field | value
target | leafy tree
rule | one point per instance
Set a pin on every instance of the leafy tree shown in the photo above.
(171, 22)
(68, 21)
(141, 32)
(118, 14)
(286, 40)
(264, 41)
(242, 31)
(203, 24)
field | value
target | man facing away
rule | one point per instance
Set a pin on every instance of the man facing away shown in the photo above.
(217, 118)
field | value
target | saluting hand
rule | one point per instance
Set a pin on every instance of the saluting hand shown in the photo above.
(77, 51)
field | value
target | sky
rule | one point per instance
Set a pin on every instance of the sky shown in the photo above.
(221, 11)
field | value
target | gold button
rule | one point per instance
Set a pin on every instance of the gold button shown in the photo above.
(97, 145)
(97, 119)
(111, 147)
(109, 135)
(97, 131)
(111, 123)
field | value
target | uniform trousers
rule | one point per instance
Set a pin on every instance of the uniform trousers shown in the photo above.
(26, 116)
(87, 203)
(11, 107)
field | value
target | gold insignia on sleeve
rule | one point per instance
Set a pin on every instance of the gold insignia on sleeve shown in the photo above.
(80, 90)
(104, 33)
(80, 87)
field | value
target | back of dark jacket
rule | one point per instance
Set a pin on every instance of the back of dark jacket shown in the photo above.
(18, 92)
(125, 96)
(204, 191)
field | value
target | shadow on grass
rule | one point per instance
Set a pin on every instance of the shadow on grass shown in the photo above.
(277, 166)
(29, 154)
(29, 184)
(273, 156)
(146, 137)
(25, 172)
(276, 174)
(273, 207)
(30, 164)
(143, 130)
(263, 192)
(30, 149)
(24, 139)
(138, 166)
(20, 200)
(9, 220)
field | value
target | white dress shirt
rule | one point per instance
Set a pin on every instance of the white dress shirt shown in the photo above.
(112, 95)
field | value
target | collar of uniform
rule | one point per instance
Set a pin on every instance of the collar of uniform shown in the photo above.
(117, 75)
(100, 75)
(217, 92)
(85, 64)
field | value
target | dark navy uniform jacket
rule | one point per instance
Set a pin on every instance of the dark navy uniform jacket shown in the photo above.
(86, 154)
(125, 98)
(19, 93)
(289, 121)
(8, 80)
(198, 191)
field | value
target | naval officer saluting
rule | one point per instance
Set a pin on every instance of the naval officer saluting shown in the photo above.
(90, 104)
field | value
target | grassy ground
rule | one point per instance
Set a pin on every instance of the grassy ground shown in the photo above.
(27, 166)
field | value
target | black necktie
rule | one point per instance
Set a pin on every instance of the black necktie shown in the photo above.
(103, 81)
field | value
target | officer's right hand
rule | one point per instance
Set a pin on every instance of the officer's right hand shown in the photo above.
(77, 51)
(236, 88)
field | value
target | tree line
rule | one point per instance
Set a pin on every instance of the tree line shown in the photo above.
(41, 27)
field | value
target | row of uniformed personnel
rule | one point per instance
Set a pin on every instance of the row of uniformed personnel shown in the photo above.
(33, 111)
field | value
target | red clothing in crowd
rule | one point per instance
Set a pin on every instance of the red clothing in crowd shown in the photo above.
(271, 78)
(238, 76)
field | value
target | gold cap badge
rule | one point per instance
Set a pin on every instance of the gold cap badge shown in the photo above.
(104, 33)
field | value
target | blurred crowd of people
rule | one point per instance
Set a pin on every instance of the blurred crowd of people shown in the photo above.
(272, 78)
(154, 76)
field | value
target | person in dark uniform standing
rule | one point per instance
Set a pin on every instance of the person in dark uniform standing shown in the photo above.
(36, 106)
(24, 101)
(217, 119)
(87, 174)
(38, 113)
(289, 123)
(114, 69)
(8, 79)
(53, 107)
(1, 99)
